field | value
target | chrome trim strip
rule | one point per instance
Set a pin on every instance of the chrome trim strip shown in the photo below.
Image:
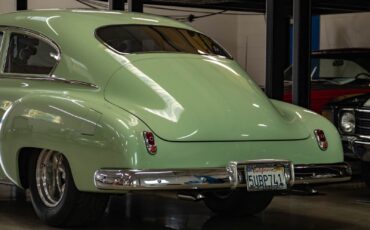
(322, 173)
(354, 137)
(74, 82)
(364, 137)
(363, 110)
(361, 142)
(347, 109)
(352, 142)
(230, 177)
(47, 78)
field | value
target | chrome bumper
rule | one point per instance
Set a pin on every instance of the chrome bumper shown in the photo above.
(357, 147)
(322, 173)
(232, 176)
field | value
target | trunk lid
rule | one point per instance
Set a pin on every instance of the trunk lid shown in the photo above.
(198, 98)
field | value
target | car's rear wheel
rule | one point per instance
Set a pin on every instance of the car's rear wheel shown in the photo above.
(237, 202)
(54, 195)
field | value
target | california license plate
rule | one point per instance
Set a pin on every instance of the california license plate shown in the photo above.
(265, 178)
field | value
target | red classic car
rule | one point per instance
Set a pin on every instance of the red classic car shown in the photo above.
(336, 73)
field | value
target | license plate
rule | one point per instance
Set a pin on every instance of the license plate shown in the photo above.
(265, 178)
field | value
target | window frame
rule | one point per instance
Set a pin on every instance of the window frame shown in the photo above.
(133, 24)
(7, 32)
(2, 31)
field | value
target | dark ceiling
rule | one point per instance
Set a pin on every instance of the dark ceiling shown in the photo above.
(318, 6)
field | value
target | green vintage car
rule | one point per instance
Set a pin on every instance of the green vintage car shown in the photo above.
(95, 103)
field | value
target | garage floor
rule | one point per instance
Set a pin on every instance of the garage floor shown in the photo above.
(344, 206)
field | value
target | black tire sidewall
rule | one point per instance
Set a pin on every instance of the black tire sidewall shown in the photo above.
(239, 202)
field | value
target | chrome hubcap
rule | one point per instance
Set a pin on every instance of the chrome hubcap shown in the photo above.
(50, 177)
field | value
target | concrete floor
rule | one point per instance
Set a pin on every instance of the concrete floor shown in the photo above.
(344, 206)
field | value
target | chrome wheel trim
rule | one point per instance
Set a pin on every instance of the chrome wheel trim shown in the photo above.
(50, 177)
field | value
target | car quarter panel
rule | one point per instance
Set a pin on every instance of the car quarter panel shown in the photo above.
(314, 121)
(65, 121)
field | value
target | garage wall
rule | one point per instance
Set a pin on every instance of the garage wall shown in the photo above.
(222, 29)
(10, 5)
(345, 30)
(251, 46)
(7, 6)
(44, 4)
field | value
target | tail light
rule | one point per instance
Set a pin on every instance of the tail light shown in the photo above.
(150, 142)
(321, 139)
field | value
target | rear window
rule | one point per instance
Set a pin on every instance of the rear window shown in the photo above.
(149, 38)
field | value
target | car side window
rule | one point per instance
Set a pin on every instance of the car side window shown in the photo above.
(29, 55)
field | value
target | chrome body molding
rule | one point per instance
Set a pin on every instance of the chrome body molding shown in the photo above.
(364, 137)
(363, 110)
(361, 142)
(231, 177)
(353, 139)
(357, 146)
(47, 78)
(322, 173)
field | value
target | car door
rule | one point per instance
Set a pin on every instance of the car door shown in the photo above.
(27, 62)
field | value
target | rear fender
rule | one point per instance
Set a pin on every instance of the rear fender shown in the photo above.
(314, 121)
(88, 140)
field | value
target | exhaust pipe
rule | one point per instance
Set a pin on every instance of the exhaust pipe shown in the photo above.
(190, 196)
